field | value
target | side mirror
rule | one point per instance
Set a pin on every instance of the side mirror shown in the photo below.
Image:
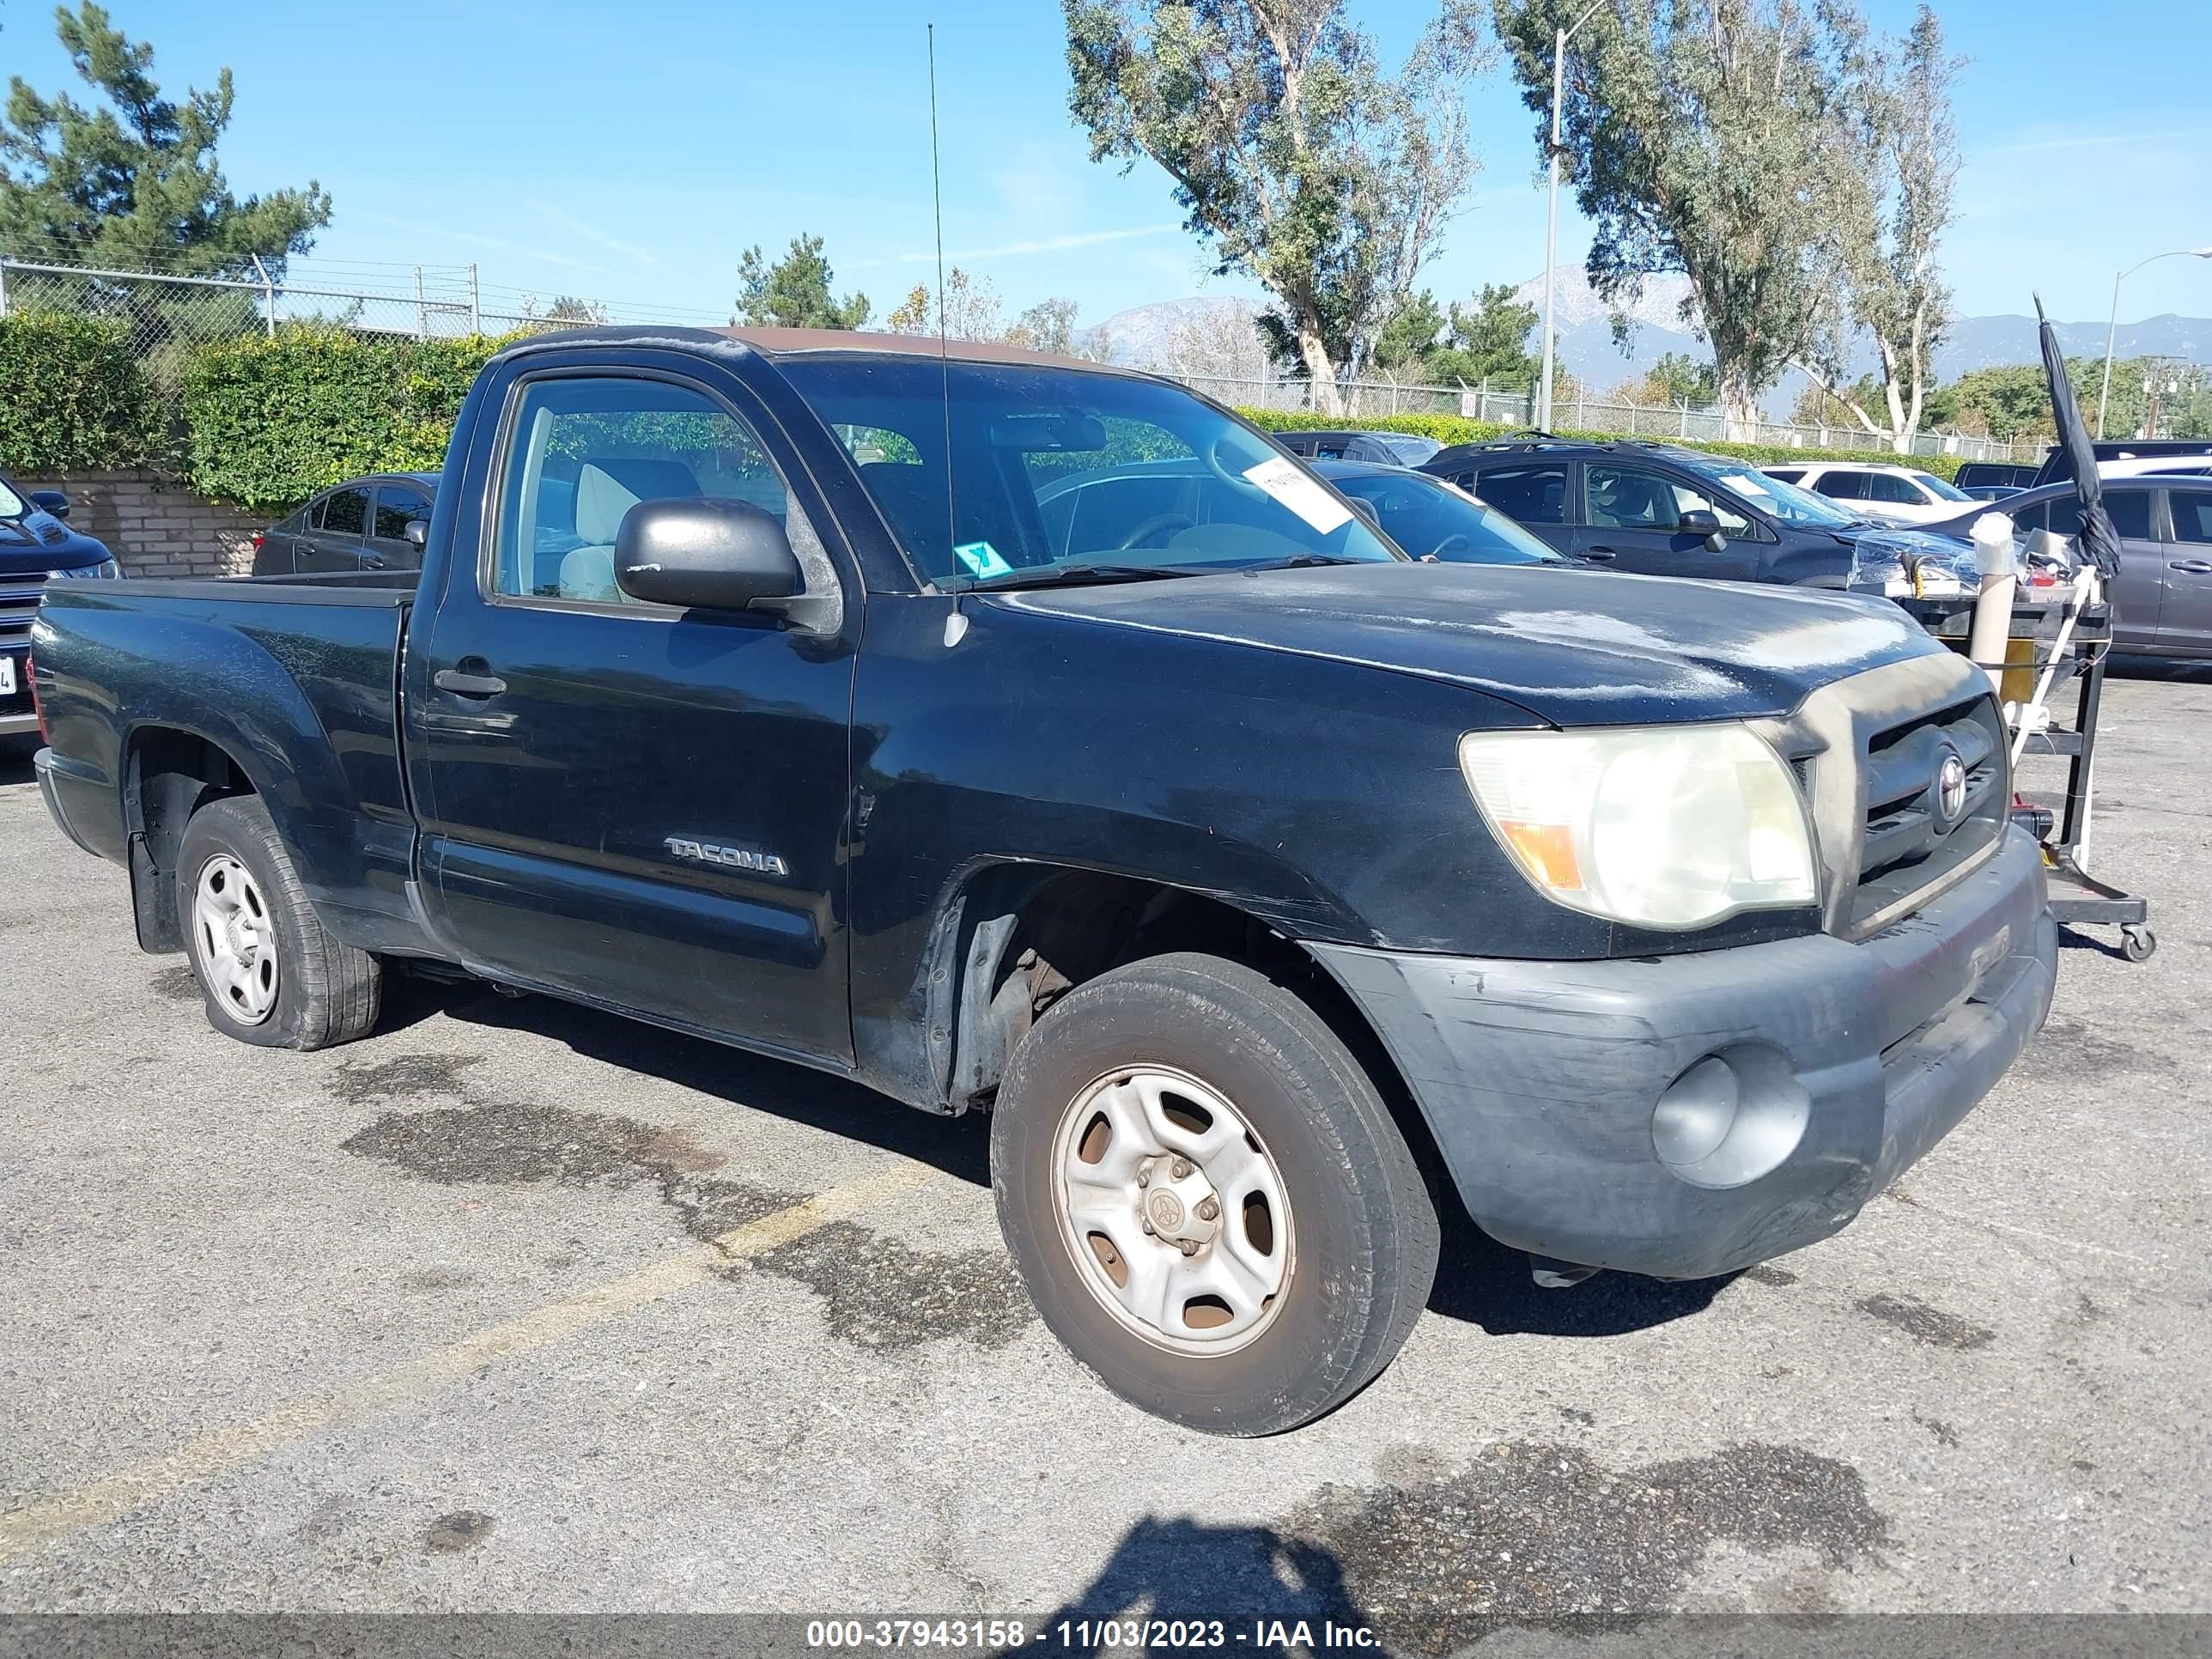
(700, 555)
(51, 500)
(416, 533)
(1366, 509)
(1702, 521)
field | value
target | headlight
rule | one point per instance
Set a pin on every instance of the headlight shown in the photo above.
(1666, 826)
(106, 570)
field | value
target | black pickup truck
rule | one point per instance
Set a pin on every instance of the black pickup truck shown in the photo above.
(763, 685)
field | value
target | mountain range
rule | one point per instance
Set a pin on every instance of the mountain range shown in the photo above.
(1161, 333)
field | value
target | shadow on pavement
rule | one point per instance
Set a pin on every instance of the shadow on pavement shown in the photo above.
(959, 1146)
(1189, 1576)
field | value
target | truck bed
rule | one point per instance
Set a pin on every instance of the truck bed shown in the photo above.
(296, 677)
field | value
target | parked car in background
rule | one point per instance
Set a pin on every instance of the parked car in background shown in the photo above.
(1991, 481)
(1431, 518)
(1390, 448)
(2180, 450)
(1660, 510)
(35, 547)
(360, 525)
(2162, 599)
(1903, 495)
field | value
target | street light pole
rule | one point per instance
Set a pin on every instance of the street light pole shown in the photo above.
(1560, 38)
(2111, 325)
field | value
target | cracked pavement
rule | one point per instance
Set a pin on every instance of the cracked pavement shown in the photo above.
(515, 1306)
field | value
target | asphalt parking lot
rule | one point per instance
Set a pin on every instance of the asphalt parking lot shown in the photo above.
(513, 1306)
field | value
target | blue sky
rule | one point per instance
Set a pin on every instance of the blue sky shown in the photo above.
(632, 151)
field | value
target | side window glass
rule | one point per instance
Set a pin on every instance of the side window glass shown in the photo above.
(311, 516)
(394, 509)
(1687, 500)
(2192, 515)
(2065, 515)
(583, 452)
(2130, 510)
(1842, 486)
(2027, 520)
(1888, 487)
(1533, 495)
(1630, 499)
(345, 512)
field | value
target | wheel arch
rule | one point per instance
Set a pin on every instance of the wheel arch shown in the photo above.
(169, 773)
(1014, 936)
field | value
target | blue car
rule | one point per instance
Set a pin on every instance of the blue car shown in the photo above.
(35, 545)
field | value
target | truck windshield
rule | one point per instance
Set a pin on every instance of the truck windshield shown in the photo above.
(1052, 470)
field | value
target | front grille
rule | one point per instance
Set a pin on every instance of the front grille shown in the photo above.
(1908, 848)
(19, 608)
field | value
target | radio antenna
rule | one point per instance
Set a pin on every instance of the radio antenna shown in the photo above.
(943, 372)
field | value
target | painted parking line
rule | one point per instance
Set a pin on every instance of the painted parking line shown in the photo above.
(44, 1520)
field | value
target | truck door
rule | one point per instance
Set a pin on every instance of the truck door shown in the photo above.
(630, 803)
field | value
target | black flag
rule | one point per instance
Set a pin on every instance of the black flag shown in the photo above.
(2100, 545)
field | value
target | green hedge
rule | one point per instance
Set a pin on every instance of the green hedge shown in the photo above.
(1458, 429)
(72, 396)
(270, 421)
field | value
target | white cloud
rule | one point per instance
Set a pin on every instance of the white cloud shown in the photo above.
(564, 220)
(2091, 140)
(1019, 250)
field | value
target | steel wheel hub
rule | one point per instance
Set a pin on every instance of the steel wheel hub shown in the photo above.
(237, 940)
(1174, 1212)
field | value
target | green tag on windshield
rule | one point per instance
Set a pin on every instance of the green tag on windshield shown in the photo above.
(981, 559)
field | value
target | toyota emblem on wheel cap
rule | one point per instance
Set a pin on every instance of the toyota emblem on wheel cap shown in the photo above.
(1950, 789)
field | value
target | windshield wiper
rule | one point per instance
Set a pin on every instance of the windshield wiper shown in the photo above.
(1304, 561)
(1077, 575)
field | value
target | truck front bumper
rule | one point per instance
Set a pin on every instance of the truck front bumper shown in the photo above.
(1846, 1061)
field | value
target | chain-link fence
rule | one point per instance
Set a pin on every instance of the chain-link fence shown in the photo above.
(166, 316)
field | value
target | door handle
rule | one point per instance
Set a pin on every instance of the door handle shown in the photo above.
(371, 561)
(2194, 567)
(1600, 554)
(468, 685)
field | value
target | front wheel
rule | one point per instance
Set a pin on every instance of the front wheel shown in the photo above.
(1208, 1198)
(268, 972)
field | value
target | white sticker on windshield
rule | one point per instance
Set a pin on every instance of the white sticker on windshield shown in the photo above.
(1299, 492)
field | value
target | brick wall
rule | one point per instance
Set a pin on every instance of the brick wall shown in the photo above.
(154, 526)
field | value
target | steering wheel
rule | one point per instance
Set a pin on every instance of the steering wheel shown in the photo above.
(1457, 540)
(1145, 529)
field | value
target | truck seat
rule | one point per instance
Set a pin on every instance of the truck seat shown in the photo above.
(606, 488)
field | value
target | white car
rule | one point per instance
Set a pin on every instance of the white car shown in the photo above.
(1900, 495)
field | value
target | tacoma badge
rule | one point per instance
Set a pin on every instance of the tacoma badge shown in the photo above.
(734, 858)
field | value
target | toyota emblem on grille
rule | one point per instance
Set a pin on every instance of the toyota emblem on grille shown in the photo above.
(1950, 789)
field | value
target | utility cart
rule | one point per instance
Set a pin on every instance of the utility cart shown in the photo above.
(2060, 635)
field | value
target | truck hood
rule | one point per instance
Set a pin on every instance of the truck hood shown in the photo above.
(1574, 648)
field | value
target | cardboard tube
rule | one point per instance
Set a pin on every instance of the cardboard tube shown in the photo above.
(1992, 627)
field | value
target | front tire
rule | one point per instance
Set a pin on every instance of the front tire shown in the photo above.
(1208, 1198)
(269, 975)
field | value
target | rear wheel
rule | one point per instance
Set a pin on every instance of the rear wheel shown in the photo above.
(269, 974)
(1208, 1198)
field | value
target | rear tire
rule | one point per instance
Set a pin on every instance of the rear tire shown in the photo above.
(269, 975)
(1226, 1093)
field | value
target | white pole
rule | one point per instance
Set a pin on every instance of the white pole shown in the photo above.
(1560, 40)
(422, 315)
(476, 301)
(268, 295)
(2112, 325)
(1551, 227)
